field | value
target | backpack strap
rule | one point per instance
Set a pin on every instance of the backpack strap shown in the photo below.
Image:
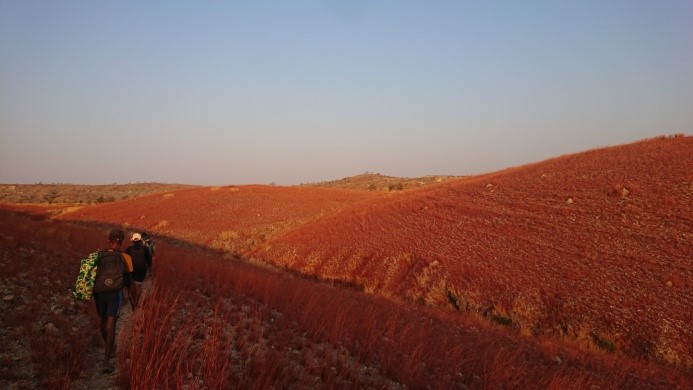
(101, 253)
(98, 257)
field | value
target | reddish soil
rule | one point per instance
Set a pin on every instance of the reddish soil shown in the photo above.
(594, 247)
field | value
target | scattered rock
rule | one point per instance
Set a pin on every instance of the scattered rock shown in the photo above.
(476, 380)
(8, 298)
(570, 201)
(51, 329)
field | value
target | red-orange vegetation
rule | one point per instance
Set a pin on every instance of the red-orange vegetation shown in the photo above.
(217, 323)
(231, 324)
(233, 219)
(594, 246)
(44, 333)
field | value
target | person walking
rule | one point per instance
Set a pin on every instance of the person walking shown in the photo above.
(150, 244)
(141, 260)
(113, 274)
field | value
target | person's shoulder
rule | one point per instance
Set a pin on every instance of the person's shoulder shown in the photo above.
(124, 254)
(128, 260)
(108, 251)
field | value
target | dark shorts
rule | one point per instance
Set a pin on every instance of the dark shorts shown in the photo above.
(139, 274)
(108, 304)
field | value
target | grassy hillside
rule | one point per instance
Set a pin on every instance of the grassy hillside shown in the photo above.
(210, 322)
(61, 194)
(378, 182)
(232, 219)
(593, 247)
(79, 194)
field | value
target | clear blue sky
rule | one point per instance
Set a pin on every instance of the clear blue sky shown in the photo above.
(288, 92)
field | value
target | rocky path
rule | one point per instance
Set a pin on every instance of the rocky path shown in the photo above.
(93, 378)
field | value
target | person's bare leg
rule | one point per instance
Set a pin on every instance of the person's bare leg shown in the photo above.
(103, 329)
(108, 325)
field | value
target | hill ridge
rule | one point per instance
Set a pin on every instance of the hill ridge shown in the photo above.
(573, 246)
(504, 245)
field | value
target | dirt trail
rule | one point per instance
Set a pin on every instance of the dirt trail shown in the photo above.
(94, 378)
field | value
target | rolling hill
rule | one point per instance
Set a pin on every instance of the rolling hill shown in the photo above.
(594, 246)
(80, 194)
(378, 182)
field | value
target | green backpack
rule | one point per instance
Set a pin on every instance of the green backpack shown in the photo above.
(84, 285)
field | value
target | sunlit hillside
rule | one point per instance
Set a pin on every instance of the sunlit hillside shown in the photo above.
(378, 182)
(80, 194)
(593, 247)
(207, 321)
(234, 219)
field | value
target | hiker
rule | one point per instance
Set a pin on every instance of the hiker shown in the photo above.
(141, 260)
(113, 274)
(151, 245)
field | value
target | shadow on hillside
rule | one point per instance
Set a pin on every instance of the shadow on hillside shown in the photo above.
(411, 344)
(210, 252)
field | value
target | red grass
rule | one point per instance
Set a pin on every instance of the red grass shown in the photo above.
(211, 322)
(508, 245)
(42, 320)
(608, 268)
(412, 346)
